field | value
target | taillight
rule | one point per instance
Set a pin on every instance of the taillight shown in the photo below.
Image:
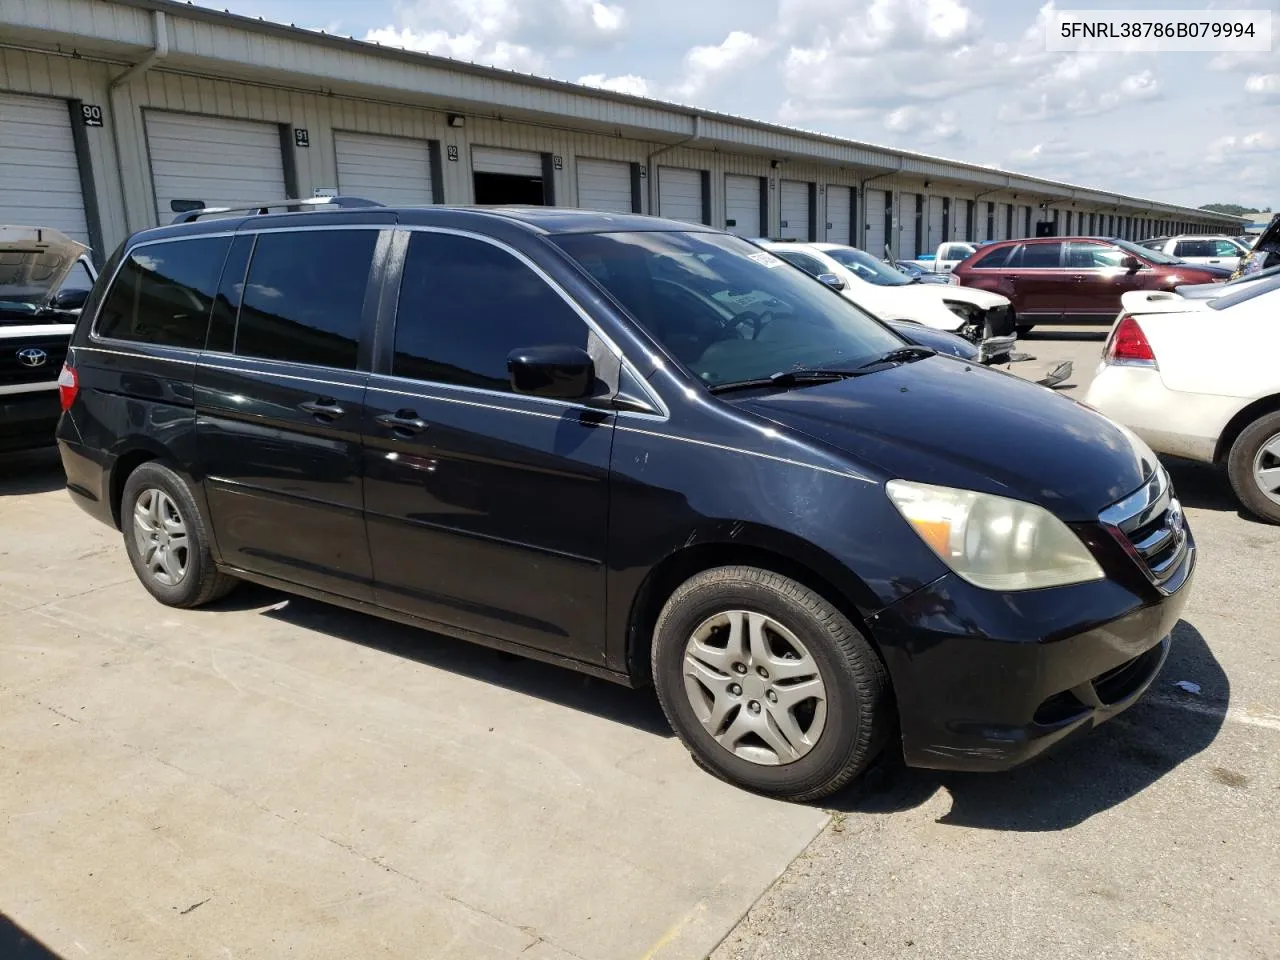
(68, 386)
(1128, 344)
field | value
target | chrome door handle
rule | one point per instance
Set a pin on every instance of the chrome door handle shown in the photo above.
(402, 421)
(324, 408)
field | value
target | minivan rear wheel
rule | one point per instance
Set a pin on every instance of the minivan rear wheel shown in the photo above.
(769, 685)
(166, 539)
(1254, 467)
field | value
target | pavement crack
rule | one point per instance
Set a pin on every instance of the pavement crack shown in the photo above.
(183, 913)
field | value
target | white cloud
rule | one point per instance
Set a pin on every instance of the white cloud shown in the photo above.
(462, 46)
(1053, 99)
(705, 65)
(626, 83)
(514, 34)
(923, 124)
(1264, 85)
(1227, 149)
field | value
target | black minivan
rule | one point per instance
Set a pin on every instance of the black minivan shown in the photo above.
(644, 449)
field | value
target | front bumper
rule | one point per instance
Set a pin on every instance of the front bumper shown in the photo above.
(987, 681)
(996, 348)
(27, 420)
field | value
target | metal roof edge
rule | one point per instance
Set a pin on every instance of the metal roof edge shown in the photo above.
(891, 154)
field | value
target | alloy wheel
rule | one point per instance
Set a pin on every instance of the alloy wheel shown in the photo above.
(1266, 469)
(161, 536)
(754, 687)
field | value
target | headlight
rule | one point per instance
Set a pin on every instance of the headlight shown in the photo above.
(994, 542)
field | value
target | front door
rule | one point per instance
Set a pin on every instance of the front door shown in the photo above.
(1098, 280)
(1038, 283)
(487, 510)
(280, 401)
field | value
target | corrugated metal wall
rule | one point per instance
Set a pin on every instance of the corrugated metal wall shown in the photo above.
(125, 192)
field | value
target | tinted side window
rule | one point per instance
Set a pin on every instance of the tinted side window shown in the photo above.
(304, 297)
(996, 258)
(466, 304)
(1225, 248)
(1087, 256)
(806, 263)
(1193, 248)
(163, 292)
(1038, 255)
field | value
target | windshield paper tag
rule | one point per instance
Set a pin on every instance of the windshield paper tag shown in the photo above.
(765, 259)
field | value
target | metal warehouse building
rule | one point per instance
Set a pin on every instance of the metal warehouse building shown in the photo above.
(114, 113)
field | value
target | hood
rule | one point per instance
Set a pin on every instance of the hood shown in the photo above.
(917, 302)
(957, 424)
(979, 298)
(33, 263)
(1195, 271)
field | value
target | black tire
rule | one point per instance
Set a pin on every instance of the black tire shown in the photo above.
(1240, 460)
(1022, 329)
(857, 686)
(201, 582)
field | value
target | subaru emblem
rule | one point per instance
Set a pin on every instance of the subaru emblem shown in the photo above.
(32, 357)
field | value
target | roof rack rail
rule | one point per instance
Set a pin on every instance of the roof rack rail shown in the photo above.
(188, 212)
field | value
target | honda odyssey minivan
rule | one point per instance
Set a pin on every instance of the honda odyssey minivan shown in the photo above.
(636, 447)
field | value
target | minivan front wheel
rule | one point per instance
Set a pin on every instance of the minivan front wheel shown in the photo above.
(166, 539)
(768, 685)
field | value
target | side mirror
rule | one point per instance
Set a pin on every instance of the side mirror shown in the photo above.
(558, 370)
(69, 300)
(1132, 264)
(832, 281)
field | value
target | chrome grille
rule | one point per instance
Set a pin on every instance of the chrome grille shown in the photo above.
(1149, 525)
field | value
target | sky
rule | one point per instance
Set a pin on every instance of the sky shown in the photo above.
(963, 79)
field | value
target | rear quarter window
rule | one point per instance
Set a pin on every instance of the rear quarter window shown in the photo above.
(162, 293)
(998, 257)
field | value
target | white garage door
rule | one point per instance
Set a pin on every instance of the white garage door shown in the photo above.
(839, 215)
(934, 235)
(907, 226)
(604, 185)
(392, 170)
(496, 160)
(874, 220)
(40, 181)
(221, 162)
(680, 194)
(742, 205)
(795, 210)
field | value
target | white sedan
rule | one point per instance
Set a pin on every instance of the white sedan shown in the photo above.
(983, 318)
(1200, 378)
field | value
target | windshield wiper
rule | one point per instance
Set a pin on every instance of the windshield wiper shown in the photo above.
(900, 355)
(802, 377)
(788, 378)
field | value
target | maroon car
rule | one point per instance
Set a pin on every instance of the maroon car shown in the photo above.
(1074, 279)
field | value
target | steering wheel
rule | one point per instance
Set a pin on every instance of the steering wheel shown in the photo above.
(757, 321)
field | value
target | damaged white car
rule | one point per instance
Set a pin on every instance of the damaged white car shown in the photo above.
(985, 319)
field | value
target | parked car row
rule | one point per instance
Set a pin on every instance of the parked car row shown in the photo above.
(1074, 279)
(641, 448)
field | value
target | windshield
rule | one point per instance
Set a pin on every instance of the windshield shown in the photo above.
(726, 309)
(1152, 256)
(867, 267)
